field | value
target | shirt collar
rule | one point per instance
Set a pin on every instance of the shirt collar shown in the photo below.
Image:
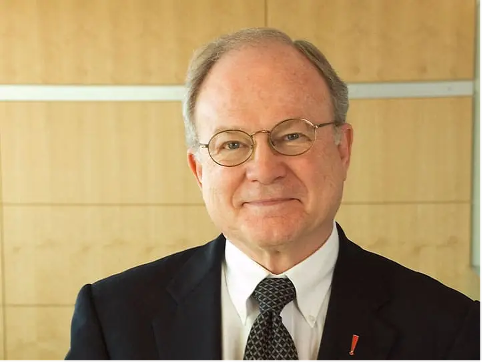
(311, 278)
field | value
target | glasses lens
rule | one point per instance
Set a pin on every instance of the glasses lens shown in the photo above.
(292, 137)
(230, 148)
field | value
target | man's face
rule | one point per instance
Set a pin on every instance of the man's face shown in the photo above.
(271, 201)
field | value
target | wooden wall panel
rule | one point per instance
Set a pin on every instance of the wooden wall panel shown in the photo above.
(2, 332)
(41, 333)
(410, 150)
(112, 41)
(52, 251)
(385, 40)
(89, 152)
(2, 295)
(431, 238)
(2, 276)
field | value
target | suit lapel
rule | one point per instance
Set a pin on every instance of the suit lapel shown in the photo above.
(357, 296)
(192, 329)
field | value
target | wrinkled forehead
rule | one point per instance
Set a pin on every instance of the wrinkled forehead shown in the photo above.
(259, 86)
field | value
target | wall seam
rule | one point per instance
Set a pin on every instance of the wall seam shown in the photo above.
(475, 179)
(395, 202)
(2, 258)
(175, 93)
(265, 13)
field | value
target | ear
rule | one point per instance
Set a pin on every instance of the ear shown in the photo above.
(344, 147)
(195, 167)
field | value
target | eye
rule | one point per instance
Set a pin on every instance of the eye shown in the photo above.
(292, 136)
(232, 145)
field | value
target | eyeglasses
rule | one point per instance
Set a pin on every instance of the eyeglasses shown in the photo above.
(291, 137)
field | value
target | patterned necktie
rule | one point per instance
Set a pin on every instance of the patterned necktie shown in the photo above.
(269, 339)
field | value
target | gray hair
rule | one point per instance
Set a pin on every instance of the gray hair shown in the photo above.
(205, 58)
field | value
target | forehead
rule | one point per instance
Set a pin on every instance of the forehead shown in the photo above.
(258, 86)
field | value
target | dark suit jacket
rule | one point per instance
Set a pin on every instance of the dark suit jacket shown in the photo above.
(171, 309)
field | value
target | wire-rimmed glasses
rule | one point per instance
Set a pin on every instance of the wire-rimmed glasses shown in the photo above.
(291, 137)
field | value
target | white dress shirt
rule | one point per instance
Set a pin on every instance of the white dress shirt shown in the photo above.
(304, 318)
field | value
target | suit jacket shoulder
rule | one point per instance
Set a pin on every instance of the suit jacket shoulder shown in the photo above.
(406, 281)
(134, 314)
(406, 314)
(146, 277)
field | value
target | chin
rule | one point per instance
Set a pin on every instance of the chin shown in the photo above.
(271, 234)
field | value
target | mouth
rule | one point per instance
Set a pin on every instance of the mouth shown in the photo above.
(269, 202)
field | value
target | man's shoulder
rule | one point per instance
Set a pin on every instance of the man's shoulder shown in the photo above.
(148, 277)
(413, 288)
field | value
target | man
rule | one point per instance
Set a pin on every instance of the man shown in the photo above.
(270, 150)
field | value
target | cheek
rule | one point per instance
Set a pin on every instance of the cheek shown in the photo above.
(219, 186)
(325, 178)
(210, 183)
(331, 162)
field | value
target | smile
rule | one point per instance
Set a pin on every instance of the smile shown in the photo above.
(269, 202)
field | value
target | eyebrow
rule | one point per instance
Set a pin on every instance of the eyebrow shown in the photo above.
(220, 129)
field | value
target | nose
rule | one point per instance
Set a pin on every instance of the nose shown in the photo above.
(265, 165)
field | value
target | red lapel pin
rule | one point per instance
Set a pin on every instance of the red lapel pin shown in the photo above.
(354, 341)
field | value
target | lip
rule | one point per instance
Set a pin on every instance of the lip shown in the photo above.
(268, 202)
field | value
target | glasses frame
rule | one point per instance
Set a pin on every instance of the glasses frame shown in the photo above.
(268, 132)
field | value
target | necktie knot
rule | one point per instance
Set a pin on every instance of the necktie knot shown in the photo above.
(274, 293)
